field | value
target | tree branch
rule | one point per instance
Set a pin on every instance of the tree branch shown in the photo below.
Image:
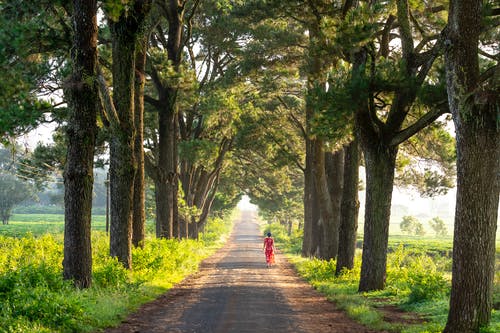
(421, 123)
(152, 101)
(108, 107)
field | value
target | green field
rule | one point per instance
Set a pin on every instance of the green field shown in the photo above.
(40, 224)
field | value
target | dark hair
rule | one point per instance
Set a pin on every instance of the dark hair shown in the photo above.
(268, 234)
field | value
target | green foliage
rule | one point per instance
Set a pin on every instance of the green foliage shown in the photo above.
(37, 293)
(334, 108)
(45, 164)
(109, 273)
(32, 52)
(215, 230)
(417, 281)
(116, 8)
(433, 150)
(426, 286)
(32, 288)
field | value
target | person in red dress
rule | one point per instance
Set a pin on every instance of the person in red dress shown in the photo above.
(269, 249)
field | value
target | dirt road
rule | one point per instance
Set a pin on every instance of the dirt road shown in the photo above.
(235, 292)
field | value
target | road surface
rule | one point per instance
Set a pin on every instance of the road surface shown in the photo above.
(234, 292)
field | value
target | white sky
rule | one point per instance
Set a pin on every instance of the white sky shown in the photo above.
(245, 204)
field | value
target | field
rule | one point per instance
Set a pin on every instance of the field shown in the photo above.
(40, 224)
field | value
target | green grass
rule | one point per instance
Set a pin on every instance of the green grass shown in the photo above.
(418, 281)
(35, 298)
(40, 224)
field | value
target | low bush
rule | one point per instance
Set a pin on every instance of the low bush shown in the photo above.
(38, 294)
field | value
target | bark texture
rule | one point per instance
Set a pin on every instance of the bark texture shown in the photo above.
(349, 208)
(82, 95)
(334, 168)
(311, 219)
(139, 211)
(380, 164)
(122, 162)
(124, 31)
(478, 180)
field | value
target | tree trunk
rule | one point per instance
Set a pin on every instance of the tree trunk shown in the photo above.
(176, 224)
(167, 127)
(328, 238)
(123, 165)
(166, 169)
(207, 204)
(163, 214)
(82, 96)
(5, 215)
(310, 242)
(122, 162)
(349, 208)
(139, 214)
(478, 182)
(380, 163)
(334, 168)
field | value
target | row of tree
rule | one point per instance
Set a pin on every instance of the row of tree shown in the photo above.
(277, 99)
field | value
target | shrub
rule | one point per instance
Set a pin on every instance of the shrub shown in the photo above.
(414, 274)
(318, 270)
(109, 273)
(38, 294)
(426, 286)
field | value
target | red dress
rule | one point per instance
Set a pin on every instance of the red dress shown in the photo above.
(269, 249)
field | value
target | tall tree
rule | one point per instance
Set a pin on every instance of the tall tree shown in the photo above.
(349, 208)
(139, 209)
(474, 101)
(125, 23)
(82, 95)
(382, 128)
(13, 191)
(166, 78)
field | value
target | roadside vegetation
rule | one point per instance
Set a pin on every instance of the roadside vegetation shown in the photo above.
(416, 299)
(35, 298)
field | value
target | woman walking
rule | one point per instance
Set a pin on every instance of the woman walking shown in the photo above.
(269, 249)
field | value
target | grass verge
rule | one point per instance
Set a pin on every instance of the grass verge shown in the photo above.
(36, 299)
(416, 297)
